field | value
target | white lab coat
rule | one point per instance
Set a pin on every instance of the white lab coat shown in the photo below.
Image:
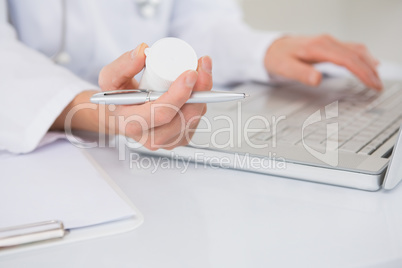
(35, 90)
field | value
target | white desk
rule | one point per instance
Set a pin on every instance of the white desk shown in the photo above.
(225, 218)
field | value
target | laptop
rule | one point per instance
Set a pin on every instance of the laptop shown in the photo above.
(340, 133)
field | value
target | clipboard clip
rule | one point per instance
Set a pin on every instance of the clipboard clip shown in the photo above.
(30, 233)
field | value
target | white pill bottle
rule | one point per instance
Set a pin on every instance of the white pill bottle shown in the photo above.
(165, 61)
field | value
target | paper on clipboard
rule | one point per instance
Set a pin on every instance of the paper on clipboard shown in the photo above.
(57, 182)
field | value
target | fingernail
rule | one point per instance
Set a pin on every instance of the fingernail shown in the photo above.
(191, 78)
(134, 53)
(207, 64)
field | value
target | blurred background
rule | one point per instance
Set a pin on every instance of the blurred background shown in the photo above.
(376, 23)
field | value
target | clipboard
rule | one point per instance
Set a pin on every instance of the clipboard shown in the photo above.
(59, 236)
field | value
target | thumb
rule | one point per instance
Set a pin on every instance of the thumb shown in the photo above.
(120, 73)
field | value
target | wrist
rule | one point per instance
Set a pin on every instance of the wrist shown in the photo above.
(80, 113)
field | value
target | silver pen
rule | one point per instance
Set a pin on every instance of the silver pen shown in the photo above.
(139, 96)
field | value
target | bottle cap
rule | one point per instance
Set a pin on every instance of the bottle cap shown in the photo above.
(166, 60)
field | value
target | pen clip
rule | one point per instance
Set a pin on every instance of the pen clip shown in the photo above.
(122, 91)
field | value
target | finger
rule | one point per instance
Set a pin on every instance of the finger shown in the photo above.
(170, 134)
(204, 111)
(181, 89)
(166, 135)
(165, 108)
(141, 118)
(191, 126)
(182, 142)
(178, 133)
(333, 52)
(299, 71)
(179, 140)
(359, 65)
(363, 52)
(189, 133)
(120, 73)
(204, 82)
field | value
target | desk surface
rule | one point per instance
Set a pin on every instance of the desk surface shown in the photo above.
(210, 217)
(225, 218)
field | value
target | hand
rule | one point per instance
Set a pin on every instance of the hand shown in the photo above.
(165, 123)
(292, 57)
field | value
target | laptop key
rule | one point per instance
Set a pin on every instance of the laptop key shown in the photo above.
(367, 150)
(352, 146)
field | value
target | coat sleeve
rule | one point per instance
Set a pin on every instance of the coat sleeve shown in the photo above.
(34, 91)
(216, 28)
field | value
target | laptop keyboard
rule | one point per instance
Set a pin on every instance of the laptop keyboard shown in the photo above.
(366, 120)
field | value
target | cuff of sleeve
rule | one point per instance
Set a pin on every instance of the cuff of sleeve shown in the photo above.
(39, 126)
(261, 41)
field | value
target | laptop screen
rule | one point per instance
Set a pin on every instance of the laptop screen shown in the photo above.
(394, 171)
